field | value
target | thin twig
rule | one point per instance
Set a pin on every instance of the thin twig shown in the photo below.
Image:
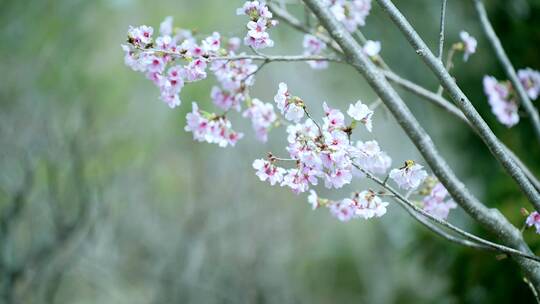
(492, 219)
(508, 67)
(472, 237)
(446, 105)
(449, 65)
(262, 57)
(441, 27)
(462, 101)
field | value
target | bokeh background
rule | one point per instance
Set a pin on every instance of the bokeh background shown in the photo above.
(104, 198)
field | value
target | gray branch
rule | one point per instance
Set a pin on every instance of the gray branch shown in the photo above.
(441, 29)
(447, 81)
(421, 215)
(489, 218)
(508, 67)
(446, 105)
(410, 86)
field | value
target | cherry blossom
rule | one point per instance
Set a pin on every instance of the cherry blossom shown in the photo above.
(368, 205)
(314, 46)
(210, 127)
(260, 16)
(262, 117)
(343, 210)
(352, 13)
(268, 171)
(408, 177)
(530, 79)
(502, 99)
(364, 205)
(313, 199)
(372, 48)
(435, 202)
(289, 106)
(361, 112)
(469, 44)
(369, 156)
(140, 36)
(534, 220)
(166, 26)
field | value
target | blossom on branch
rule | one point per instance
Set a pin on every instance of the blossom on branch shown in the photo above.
(502, 99)
(408, 177)
(260, 20)
(314, 46)
(469, 44)
(362, 113)
(530, 79)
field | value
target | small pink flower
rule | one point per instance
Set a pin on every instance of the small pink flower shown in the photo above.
(534, 220)
(469, 43)
(372, 48)
(409, 176)
(361, 112)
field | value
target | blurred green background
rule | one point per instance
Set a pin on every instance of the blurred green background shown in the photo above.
(104, 198)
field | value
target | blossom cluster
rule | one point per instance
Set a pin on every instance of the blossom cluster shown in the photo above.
(533, 220)
(372, 48)
(435, 201)
(319, 152)
(260, 20)
(211, 128)
(502, 99)
(322, 152)
(314, 46)
(366, 205)
(410, 176)
(530, 79)
(262, 117)
(352, 13)
(469, 44)
(175, 58)
(502, 96)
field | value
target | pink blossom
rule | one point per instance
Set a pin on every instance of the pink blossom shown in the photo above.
(211, 128)
(333, 118)
(140, 36)
(343, 210)
(368, 156)
(372, 48)
(262, 117)
(166, 26)
(501, 98)
(368, 205)
(534, 220)
(352, 13)
(268, 171)
(195, 70)
(260, 19)
(530, 79)
(224, 99)
(435, 203)
(313, 199)
(287, 105)
(313, 46)
(212, 43)
(469, 43)
(361, 112)
(409, 176)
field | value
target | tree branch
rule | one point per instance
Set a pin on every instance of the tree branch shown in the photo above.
(478, 243)
(258, 57)
(480, 126)
(508, 67)
(441, 29)
(489, 218)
